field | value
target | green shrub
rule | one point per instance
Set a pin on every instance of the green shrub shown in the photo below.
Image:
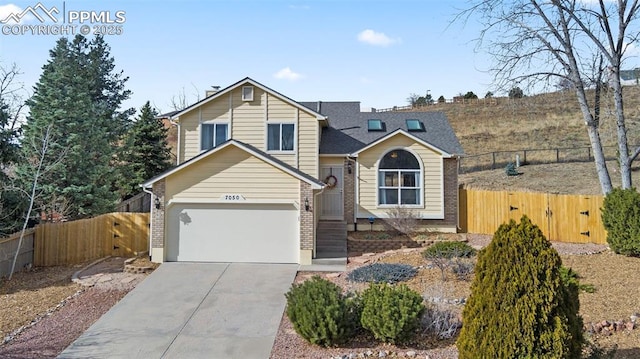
(571, 279)
(392, 314)
(621, 219)
(519, 305)
(511, 170)
(320, 313)
(449, 249)
(382, 273)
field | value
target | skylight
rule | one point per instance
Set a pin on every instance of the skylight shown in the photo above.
(375, 125)
(415, 125)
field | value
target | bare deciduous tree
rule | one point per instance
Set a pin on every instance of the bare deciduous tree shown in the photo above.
(13, 93)
(43, 162)
(578, 42)
(181, 100)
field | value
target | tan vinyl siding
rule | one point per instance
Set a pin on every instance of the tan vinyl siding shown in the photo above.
(189, 137)
(368, 176)
(232, 171)
(211, 112)
(248, 123)
(249, 117)
(308, 144)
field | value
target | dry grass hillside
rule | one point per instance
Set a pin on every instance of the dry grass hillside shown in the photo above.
(549, 120)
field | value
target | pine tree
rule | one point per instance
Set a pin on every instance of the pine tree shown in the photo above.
(145, 151)
(79, 97)
(10, 204)
(519, 305)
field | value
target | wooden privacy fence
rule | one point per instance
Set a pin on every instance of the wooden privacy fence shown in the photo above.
(562, 218)
(113, 234)
(8, 247)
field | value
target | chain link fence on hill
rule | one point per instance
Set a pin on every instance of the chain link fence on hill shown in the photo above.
(499, 159)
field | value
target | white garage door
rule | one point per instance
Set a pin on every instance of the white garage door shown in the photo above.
(263, 233)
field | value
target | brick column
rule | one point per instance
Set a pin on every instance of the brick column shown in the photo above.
(157, 223)
(349, 191)
(307, 223)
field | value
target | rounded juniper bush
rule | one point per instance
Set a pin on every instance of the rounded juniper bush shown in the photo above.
(519, 305)
(320, 313)
(621, 219)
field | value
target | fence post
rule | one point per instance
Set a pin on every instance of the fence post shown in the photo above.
(589, 153)
(493, 165)
(557, 155)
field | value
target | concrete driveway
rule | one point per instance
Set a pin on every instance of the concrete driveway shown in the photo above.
(193, 310)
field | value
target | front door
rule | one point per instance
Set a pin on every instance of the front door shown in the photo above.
(332, 196)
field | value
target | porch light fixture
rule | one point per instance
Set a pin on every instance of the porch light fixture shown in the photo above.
(349, 167)
(306, 204)
(157, 203)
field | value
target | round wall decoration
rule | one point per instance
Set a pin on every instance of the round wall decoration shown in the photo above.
(331, 181)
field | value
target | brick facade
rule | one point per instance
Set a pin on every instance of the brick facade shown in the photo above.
(306, 217)
(349, 196)
(450, 167)
(157, 215)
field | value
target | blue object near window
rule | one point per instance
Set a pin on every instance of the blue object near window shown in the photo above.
(375, 125)
(415, 125)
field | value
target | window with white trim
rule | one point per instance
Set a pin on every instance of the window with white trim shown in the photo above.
(213, 134)
(399, 179)
(280, 137)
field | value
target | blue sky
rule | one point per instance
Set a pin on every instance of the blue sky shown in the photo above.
(376, 52)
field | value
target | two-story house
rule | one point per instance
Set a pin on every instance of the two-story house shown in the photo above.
(257, 172)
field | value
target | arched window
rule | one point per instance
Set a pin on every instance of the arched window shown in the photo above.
(399, 179)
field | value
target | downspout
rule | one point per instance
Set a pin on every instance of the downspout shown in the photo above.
(176, 123)
(144, 189)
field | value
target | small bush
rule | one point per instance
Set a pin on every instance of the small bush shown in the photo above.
(391, 314)
(462, 270)
(441, 323)
(621, 219)
(445, 254)
(320, 313)
(402, 219)
(449, 249)
(383, 273)
(511, 170)
(571, 279)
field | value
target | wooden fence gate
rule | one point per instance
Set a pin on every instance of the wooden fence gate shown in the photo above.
(562, 218)
(113, 234)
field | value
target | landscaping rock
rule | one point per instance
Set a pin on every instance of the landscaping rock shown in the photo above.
(411, 354)
(630, 325)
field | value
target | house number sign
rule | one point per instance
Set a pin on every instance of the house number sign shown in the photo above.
(232, 197)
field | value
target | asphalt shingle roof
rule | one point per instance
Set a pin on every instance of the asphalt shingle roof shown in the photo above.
(348, 131)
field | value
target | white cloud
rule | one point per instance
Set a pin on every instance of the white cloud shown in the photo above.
(287, 74)
(299, 7)
(371, 37)
(6, 10)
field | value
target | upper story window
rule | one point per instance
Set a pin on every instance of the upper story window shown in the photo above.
(280, 136)
(247, 93)
(399, 179)
(213, 134)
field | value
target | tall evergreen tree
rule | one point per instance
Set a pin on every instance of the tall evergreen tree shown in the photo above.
(10, 208)
(145, 151)
(79, 96)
